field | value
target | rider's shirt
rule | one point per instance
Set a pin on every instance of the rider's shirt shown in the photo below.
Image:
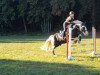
(72, 19)
(69, 20)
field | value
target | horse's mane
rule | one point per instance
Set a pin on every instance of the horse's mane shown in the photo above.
(78, 22)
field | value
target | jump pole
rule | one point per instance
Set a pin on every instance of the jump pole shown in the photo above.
(94, 40)
(69, 44)
(67, 38)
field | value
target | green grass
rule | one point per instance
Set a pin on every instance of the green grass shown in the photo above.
(21, 55)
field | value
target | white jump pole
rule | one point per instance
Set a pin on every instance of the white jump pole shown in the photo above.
(69, 44)
(94, 40)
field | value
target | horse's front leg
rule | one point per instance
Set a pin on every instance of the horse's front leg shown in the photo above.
(79, 39)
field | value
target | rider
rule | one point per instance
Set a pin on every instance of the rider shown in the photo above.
(69, 20)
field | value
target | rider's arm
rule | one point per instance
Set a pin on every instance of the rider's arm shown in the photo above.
(68, 20)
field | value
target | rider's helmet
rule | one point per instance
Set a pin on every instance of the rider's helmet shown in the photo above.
(71, 12)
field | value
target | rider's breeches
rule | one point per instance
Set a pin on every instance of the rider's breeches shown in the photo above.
(64, 26)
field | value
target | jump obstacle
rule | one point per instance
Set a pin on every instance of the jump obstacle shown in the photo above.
(69, 44)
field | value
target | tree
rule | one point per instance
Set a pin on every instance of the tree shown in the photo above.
(86, 7)
(60, 7)
(6, 15)
(22, 6)
(41, 15)
(60, 10)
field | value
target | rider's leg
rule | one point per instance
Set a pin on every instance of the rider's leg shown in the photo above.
(64, 26)
(65, 29)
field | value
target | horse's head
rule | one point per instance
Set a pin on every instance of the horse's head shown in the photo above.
(81, 26)
(84, 30)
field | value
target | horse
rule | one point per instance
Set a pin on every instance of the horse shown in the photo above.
(57, 39)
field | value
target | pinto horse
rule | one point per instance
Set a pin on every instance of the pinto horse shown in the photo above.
(57, 39)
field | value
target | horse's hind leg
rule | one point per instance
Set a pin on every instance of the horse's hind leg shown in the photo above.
(53, 52)
(52, 46)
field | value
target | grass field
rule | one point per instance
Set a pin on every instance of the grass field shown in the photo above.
(21, 55)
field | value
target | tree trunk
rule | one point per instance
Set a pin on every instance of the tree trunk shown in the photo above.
(25, 28)
(46, 26)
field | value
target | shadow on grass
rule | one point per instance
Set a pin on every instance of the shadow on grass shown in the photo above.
(19, 67)
(21, 39)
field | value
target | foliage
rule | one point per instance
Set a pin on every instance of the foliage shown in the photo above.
(40, 15)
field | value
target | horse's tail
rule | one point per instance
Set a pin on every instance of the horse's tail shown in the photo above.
(47, 45)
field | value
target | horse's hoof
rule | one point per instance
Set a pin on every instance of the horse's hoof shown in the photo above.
(55, 55)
